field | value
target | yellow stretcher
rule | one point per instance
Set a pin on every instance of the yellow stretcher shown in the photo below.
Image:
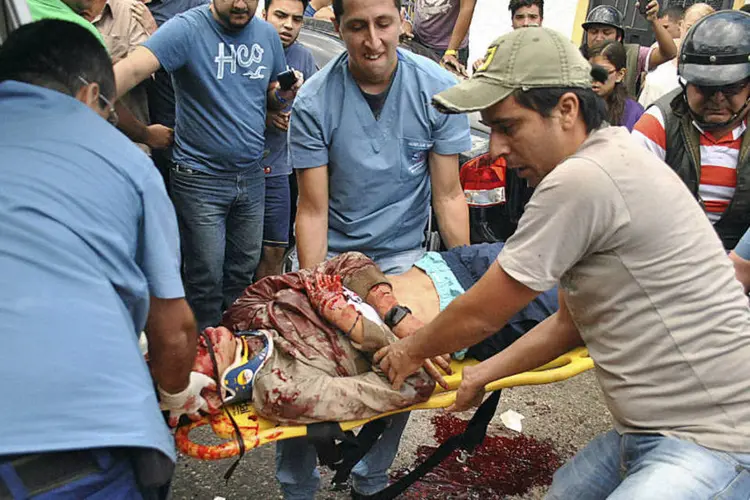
(257, 431)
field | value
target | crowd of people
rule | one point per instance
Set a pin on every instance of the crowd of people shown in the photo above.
(146, 188)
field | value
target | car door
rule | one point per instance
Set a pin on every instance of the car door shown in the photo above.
(13, 13)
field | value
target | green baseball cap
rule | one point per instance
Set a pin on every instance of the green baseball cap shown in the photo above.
(524, 59)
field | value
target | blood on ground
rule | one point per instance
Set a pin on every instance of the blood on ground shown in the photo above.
(501, 466)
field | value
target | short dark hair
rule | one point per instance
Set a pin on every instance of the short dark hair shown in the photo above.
(56, 55)
(544, 100)
(338, 8)
(745, 8)
(517, 4)
(673, 12)
(269, 2)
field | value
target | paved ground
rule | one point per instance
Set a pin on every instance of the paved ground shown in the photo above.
(560, 418)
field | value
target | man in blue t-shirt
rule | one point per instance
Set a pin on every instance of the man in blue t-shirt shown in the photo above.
(370, 154)
(286, 17)
(89, 257)
(224, 64)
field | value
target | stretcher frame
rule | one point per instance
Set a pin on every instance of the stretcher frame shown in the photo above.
(257, 431)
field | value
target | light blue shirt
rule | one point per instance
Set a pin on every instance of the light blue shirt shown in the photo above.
(276, 154)
(379, 182)
(743, 247)
(220, 79)
(87, 233)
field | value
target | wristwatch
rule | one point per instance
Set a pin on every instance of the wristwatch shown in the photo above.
(395, 315)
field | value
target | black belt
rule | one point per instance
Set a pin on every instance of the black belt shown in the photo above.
(43, 472)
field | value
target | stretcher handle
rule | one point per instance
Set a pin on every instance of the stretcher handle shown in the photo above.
(564, 367)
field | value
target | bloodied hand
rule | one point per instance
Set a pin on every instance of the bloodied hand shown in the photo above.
(326, 294)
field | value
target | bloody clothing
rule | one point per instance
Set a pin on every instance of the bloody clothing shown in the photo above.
(315, 372)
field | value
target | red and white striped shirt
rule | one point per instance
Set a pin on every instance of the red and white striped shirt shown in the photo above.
(718, 159)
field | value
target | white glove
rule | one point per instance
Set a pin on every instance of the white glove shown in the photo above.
(189, 401)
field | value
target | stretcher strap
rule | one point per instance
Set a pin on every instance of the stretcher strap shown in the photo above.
(468, 440)
(237, 433)
(344, 455)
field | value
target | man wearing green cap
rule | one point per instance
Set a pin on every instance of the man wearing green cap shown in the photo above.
(644, 283)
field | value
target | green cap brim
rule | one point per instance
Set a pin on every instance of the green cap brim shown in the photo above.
(474, 94)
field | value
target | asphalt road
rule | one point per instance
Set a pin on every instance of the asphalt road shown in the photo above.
(559, 419)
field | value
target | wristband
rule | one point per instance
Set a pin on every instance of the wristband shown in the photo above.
(450, 52)
(395, 315)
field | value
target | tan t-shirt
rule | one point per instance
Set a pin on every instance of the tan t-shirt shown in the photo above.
(649, 287)
(123, 34)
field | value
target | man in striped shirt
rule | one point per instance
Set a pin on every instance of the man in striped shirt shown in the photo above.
(699, 130)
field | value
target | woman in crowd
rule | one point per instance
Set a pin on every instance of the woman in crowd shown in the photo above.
(621, 109)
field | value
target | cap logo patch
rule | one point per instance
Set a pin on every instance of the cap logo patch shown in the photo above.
(487, 59)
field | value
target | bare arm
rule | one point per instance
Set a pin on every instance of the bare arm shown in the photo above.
(312, 216)
(155, 136)
(139, 65)
(460, 29)
(172, 337)
(741, 270)
(470, 318)
(463, 21)
(549, 339)
(448, 200)
(666, 49)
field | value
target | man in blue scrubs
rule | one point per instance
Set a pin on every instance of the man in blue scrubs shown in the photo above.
(89, 257)
(287, 17)
(224, 63)
(370, 154)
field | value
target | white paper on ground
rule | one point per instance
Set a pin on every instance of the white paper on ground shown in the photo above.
(512, 420)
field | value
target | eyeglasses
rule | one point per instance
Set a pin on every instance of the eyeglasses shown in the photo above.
(112, 114)
(730, 90)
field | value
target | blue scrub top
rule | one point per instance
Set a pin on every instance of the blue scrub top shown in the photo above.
(87, 234)
(378, 176)
(220, 80)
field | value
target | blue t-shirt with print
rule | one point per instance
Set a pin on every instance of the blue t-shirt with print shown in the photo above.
(88, 236)
(378, 169)
(276, 154)
(221, 79)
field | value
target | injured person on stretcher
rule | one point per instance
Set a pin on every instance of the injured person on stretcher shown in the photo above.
(300, 345)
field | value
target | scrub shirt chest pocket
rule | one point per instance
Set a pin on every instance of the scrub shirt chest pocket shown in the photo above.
(414, 157)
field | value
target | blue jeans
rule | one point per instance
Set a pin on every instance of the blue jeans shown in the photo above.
(221, 230)
(296, 459)
(114, 479)
(651, 466)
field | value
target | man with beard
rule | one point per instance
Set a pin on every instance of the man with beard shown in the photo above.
(224, 64)
(700, 130)
(287, 17)
(370, 154)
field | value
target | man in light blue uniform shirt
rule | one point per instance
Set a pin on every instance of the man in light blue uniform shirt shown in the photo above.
(370, 154)
(89, 257)
(286, 17)
(224, 63)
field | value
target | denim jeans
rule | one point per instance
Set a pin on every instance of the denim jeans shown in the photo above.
(221, 230)
(296, 459)
(651, 466)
